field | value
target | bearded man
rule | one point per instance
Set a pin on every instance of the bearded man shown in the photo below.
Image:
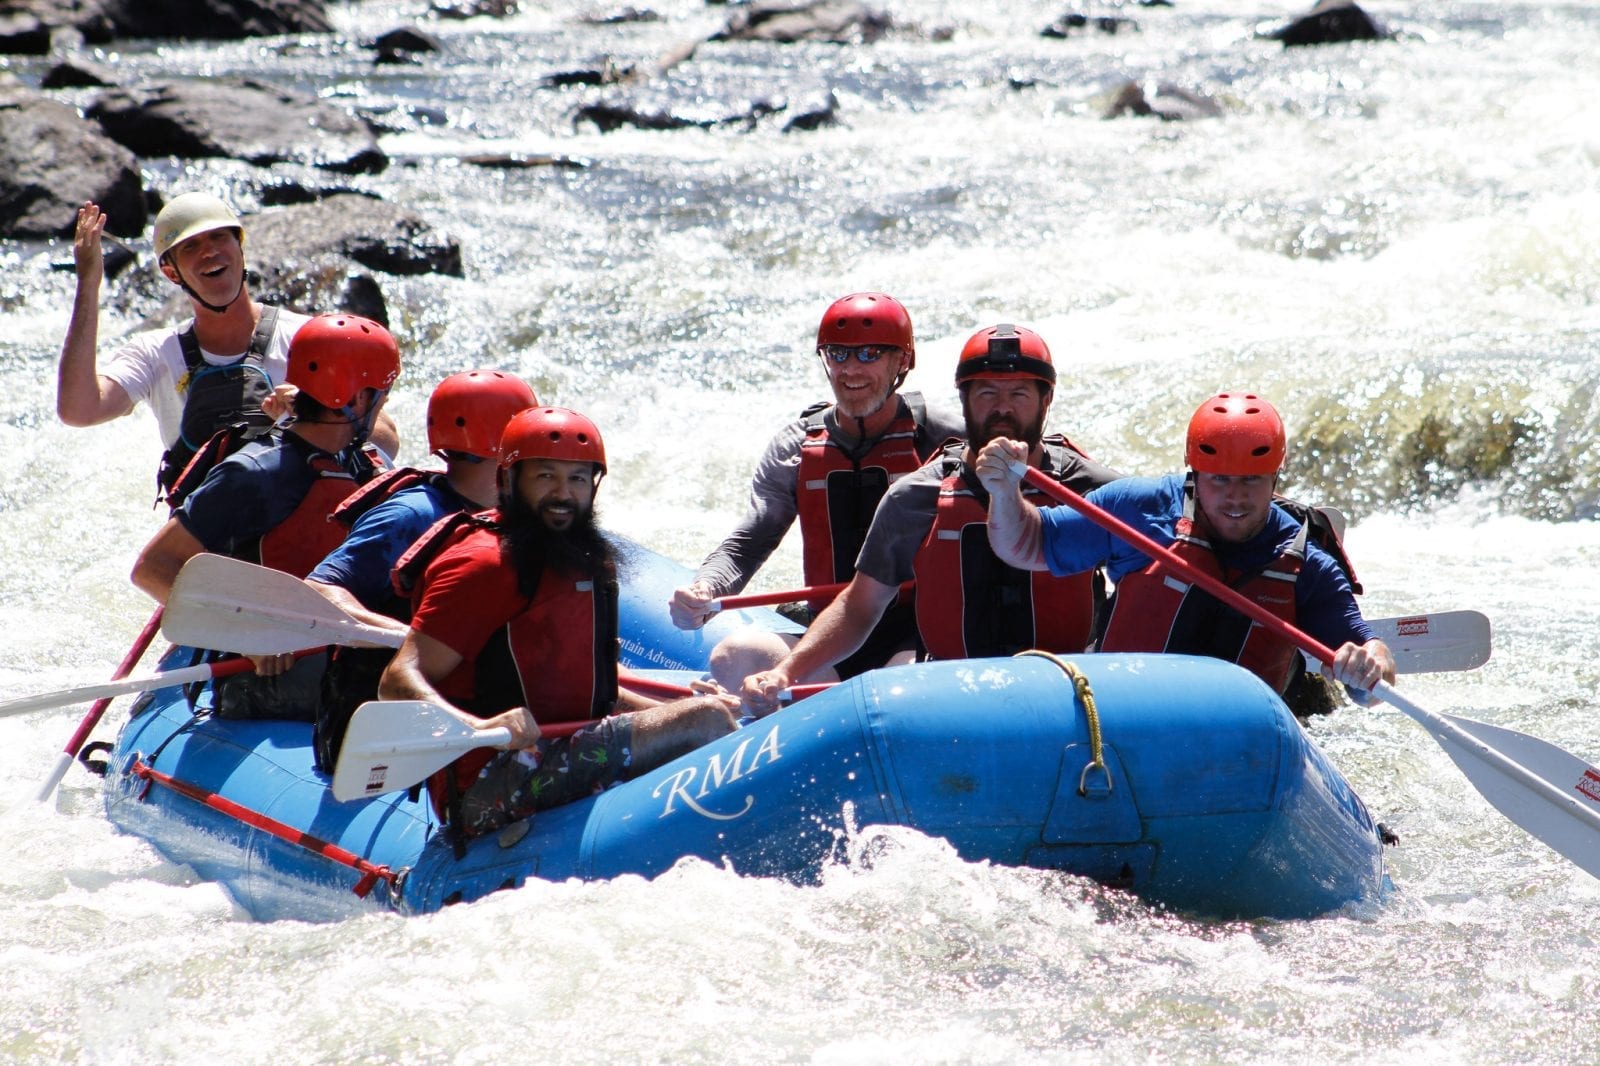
(515, 624)
(931, 526)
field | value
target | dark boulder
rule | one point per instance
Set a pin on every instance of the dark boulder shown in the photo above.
(605, 72)
(310, 256)
(1330, 22)
(609, 115)
(404, 45)
(780, 22)
(51, 161)
(238, 119)
(213, 19)
(104, 20)
(523, 161)
(363, 296)
(23, 33)
(78, 73)
(286, 191)
(813, 114)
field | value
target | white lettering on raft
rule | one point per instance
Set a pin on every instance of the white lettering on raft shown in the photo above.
(715, 774)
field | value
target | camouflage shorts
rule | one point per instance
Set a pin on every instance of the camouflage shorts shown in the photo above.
(511, 787)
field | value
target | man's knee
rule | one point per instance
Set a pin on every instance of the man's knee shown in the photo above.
(746, 652)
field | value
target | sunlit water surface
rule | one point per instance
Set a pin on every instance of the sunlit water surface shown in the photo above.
(1397, 242)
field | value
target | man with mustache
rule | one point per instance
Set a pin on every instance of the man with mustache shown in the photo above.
(829, 469)
(1219, 516)
(515, 624)
(198, 380)
(931, 527)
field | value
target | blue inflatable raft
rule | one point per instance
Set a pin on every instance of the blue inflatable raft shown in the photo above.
(1184, 781)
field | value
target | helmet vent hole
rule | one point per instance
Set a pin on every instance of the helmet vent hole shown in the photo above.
(460, 422)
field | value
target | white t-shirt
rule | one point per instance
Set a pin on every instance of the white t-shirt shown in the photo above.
(150, 366)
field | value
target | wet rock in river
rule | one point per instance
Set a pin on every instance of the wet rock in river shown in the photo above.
(780, 22)
(405, 45)
(238, 119)
(23, 33)
(78, 73)
(1330, 22)
(104, 20)
(51, 161)
(1170, 103)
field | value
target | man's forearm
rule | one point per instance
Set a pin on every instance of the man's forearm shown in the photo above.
(1016, 531)
(79, 401)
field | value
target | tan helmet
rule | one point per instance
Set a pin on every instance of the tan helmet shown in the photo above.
(189, 214)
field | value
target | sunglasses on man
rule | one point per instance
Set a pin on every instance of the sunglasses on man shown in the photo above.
(865, 353)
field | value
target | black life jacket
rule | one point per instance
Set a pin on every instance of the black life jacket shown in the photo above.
(218, 399)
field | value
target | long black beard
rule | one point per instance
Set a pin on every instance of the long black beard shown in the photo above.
(533, 547)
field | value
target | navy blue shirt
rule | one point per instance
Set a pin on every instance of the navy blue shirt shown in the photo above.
(253, 491)
(1325, 606)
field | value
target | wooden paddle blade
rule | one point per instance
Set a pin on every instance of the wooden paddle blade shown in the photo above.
(1432, 643)
(231, 605)
(394, 744)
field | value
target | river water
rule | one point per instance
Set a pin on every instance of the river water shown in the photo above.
(1397, 242)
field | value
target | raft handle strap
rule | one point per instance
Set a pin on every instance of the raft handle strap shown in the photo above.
(1080, 685)
(371, 874)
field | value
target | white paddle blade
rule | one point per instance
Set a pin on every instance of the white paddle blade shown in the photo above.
(393, 744)
(1433, 643)
(1546, 790)
(231, 605)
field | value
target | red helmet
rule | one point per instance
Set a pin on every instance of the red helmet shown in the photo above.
(333, 357)
(1237, 434)
(1006, 351)
(468, 411)
(867, 318)
(552, 433)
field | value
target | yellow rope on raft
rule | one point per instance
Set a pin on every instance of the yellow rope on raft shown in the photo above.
(1080, 685)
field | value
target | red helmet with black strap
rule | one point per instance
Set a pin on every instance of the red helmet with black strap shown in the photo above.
(468, 412)
(1005, 351)
(333, 357)
(552, 433)
(865, 318)
(1236, 434)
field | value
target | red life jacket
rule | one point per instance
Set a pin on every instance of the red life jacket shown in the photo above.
(969, 603)
(298, 543)
(837, 490)
(1156, 612)
(379, 489)
(557, 656)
